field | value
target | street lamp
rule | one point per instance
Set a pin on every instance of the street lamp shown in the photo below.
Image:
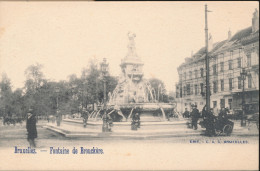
(243, 75)
(57, 90)
(104, 70)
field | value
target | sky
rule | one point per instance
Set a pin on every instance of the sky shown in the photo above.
(63, 35)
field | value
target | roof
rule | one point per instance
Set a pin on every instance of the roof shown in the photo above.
(218, 45)
(242, 33)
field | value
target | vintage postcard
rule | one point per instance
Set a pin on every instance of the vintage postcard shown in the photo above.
(90, 85)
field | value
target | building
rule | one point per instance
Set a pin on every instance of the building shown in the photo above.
(228, 59)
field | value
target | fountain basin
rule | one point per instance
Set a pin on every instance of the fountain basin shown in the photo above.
(149, 112)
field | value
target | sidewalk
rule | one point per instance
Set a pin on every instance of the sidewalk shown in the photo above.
(123, 130)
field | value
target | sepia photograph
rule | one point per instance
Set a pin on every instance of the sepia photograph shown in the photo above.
(88, 85)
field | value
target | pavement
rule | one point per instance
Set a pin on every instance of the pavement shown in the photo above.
(122, 130)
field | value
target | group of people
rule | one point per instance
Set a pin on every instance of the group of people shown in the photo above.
(210, 121)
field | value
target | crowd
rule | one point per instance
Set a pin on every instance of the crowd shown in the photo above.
(210, 121)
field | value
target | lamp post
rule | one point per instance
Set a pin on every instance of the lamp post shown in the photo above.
(104, 70)
(207, 60)
(57, 90)
(243, 75)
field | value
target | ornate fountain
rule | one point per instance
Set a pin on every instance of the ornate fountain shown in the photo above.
(135, 94)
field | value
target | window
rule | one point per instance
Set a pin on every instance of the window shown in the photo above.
(214, 69)
(239, 80)
(230, 67)
(188, 89)
(222, 85)
(184, 75)
(215, 86)
(201, 72)
(202, 89)
(222, 103)
(230, 103)
(184, 91)
(239, 62)
(249, 81)
(221, 66)
(214, 104)
(196, 89)
(180, 77)
(231, 54)
(230, 84)
(240, 51)
(190, 73)
(196, 73)
(248, 60)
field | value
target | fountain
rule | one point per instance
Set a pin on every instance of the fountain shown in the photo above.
(135, 94)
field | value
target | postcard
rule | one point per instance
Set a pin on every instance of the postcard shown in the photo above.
(130, 85)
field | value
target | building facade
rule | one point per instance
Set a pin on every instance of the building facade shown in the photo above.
(234, 63)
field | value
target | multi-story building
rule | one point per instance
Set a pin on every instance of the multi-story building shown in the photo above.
(228, 59)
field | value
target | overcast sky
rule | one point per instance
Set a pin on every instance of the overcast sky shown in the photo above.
(64, 36)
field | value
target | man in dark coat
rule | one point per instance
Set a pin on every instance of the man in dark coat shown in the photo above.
(195, 114)
(85, 115)
(186, 114)
(209, 123)
(31, 128)
(222, 118)
(136, 118)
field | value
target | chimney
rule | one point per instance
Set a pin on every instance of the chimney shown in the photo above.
(255, 21)
(192, 53)
(210, 47)
(229, 34)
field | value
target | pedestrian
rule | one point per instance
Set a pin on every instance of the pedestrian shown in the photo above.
(85, 115)
(31, 128)
(195, 114)
(209, 122)
(136, 118)
(58, 117)
(110, 122)
(186, 114)
(222, 118)
(204, 112)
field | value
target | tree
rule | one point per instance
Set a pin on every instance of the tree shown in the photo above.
(17, 103)
(5, 95)
(34, 78)
(34, 95)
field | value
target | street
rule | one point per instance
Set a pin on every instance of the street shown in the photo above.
(16, 135)
(172, 152)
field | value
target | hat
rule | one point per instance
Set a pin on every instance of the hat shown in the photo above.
(195, 105)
